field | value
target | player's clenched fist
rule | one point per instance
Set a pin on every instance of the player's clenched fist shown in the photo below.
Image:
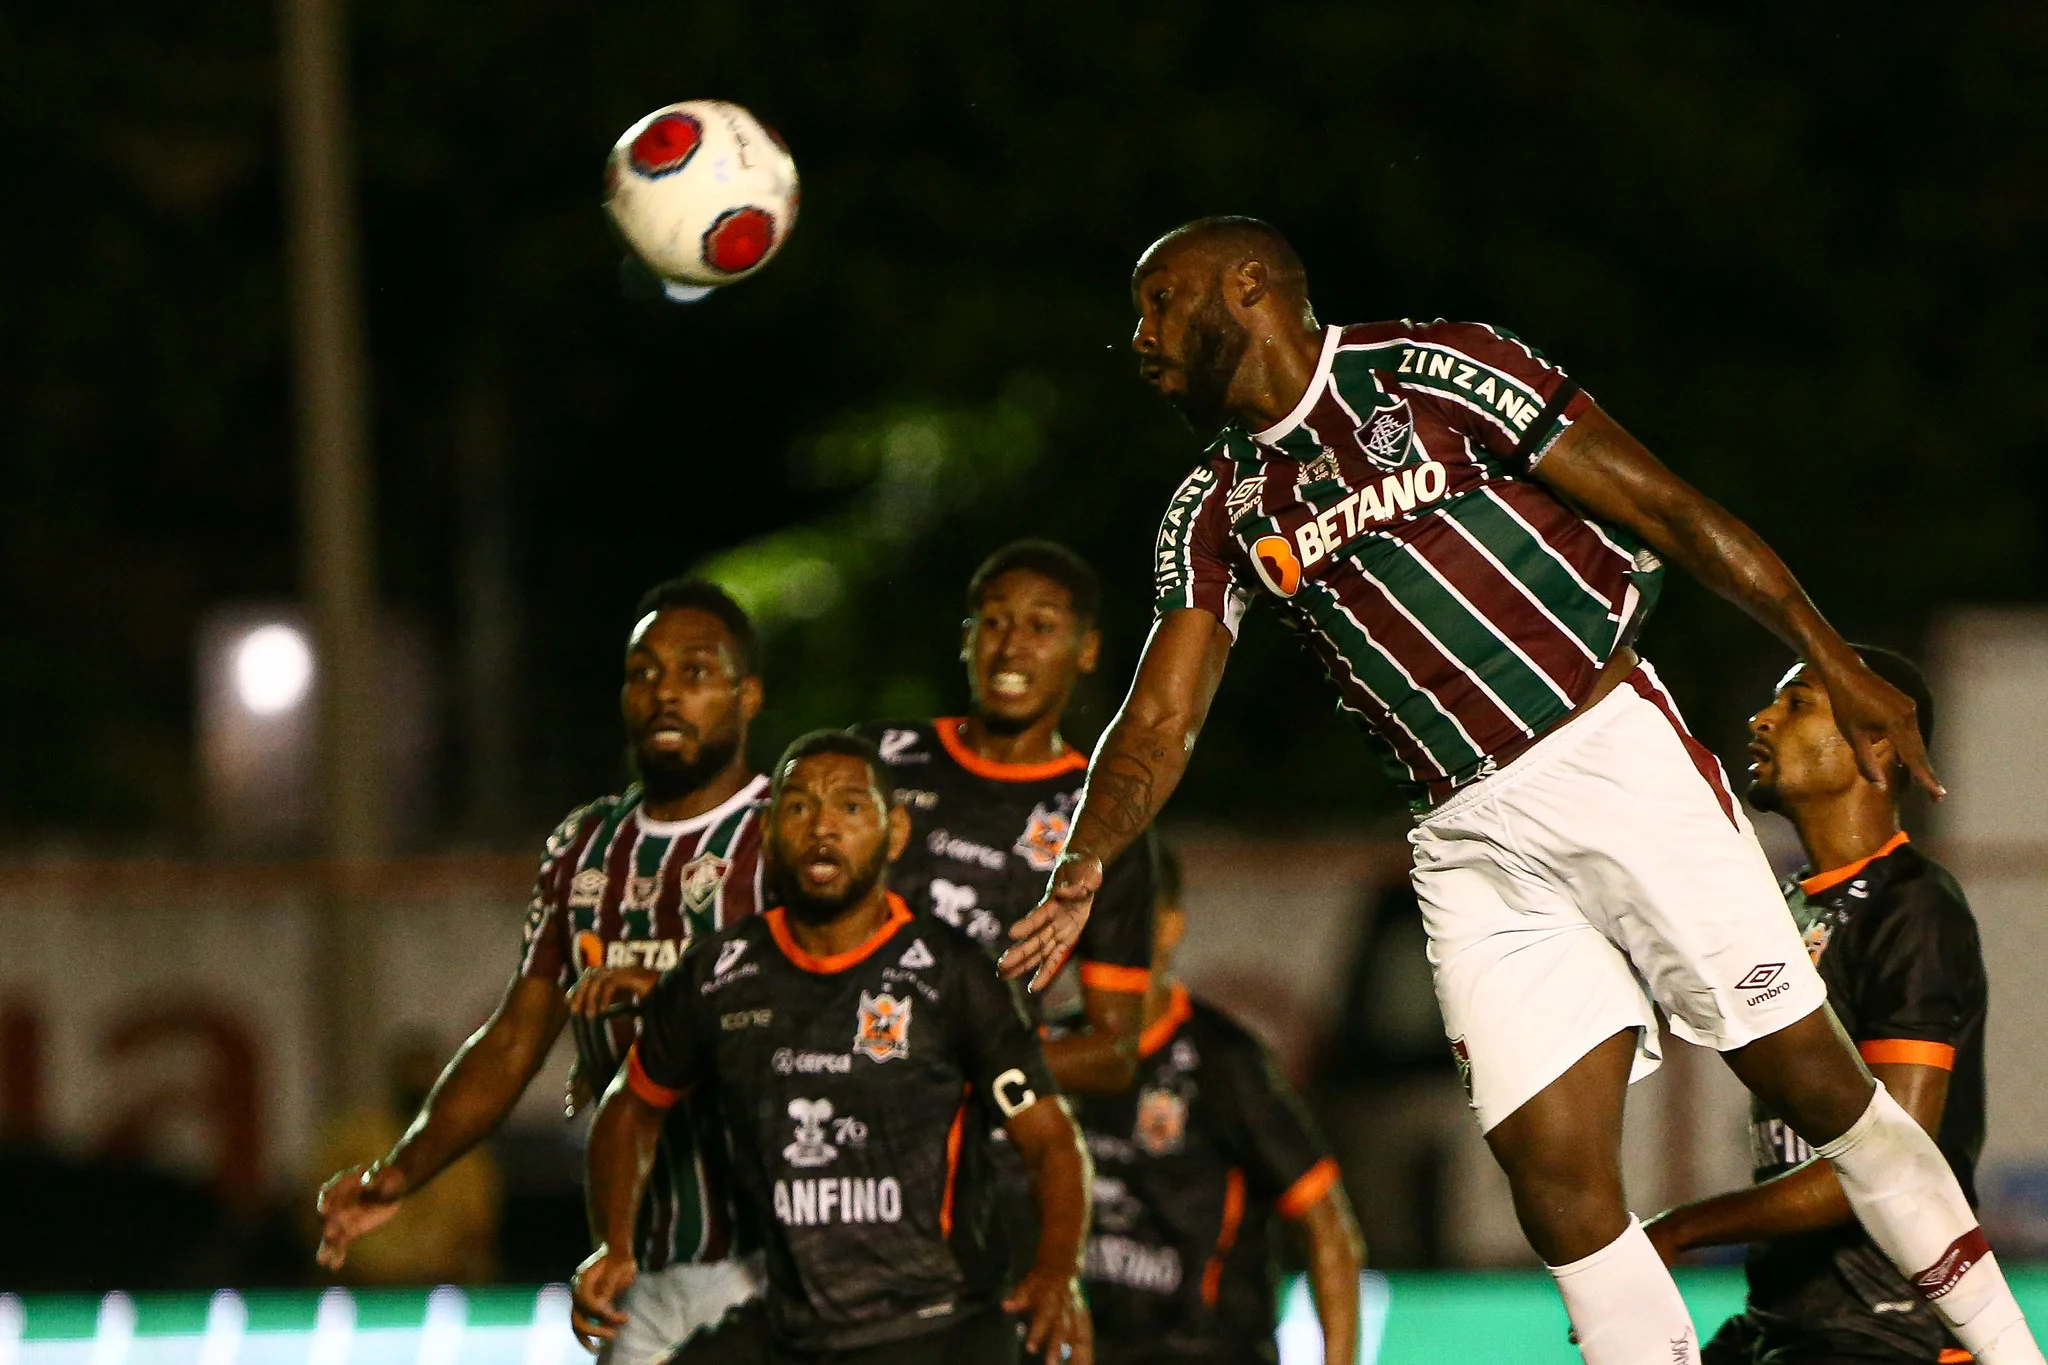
(1046, 935)
(353, 1202)
(594, 1314)
(1059, 1317)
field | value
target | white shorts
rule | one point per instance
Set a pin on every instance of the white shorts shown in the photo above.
(665, 1308)
(1606, 871)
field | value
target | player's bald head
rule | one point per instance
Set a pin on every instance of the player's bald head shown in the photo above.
(1217, 246)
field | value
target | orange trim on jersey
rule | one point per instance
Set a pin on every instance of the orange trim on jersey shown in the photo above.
(1226, 1236)
(778, 928)
(645, 1086)
(1107, 976)
(948, 731)
(1954, 1355)
(1821, 881)
(1304, 1193)
(1909, 1051)
(952, 1164)
(1158, 1033)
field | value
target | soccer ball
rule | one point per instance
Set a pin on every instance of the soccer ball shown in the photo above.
(703, 192)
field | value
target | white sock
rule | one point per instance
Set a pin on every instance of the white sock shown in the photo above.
(1624, 1306)
(1908, 1200)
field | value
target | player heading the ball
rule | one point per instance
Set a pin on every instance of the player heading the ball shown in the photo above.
(1471, 544)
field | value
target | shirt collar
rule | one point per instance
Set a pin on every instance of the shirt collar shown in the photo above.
(1316, 384)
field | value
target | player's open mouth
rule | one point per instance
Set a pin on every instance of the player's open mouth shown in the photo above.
(1759, 755)
(1009, 684)
(821, 867)
(667, 737)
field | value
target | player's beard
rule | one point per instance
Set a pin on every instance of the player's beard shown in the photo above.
(669, 777)
(1216, 346)
(813, 909)
(1765, 797)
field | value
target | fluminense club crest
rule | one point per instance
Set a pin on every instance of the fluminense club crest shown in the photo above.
(701, 879)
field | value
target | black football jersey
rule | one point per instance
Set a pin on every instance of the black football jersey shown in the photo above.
(985, 837)
(850, 1088)
(1191, 1167)
(1897, 946)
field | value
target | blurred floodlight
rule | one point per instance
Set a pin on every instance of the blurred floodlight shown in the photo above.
(273, 668)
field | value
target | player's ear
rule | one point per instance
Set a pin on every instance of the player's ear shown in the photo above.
(899, 832)
(750, 698)
(1091, 650)
(1249, 284)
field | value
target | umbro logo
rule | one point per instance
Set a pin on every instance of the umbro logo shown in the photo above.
(728, 955)
(1760, 976)
(917, 956)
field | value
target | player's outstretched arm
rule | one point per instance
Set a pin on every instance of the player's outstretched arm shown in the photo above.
(475, 1093)
(1336, 1253)
(1136, 767)
(622, 1144)
(1607, 472)
(1047, 1139)
(1806, 1198)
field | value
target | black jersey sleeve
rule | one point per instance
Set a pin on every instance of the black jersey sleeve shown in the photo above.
(1264, 1128)
(673, 1050)
(1115, 950)
(1922, 974)
(999, 1049)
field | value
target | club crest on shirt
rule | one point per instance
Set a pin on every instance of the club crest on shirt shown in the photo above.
(1162, 1124)
(1045, 834)
(1385, 437)
(701, 879)
(883, 1031)
(1816, 939)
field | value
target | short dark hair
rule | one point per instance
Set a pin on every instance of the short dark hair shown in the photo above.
(701, 594)
(1902, 673)
(1048, 559)
(1247, 239)
(1166, 875)
(830, 742)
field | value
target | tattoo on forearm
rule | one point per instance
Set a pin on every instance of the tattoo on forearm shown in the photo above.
(1124, 792)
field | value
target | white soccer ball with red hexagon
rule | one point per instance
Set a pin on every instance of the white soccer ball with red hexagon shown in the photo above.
(703, 192)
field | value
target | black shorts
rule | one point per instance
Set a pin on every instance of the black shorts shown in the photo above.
(1740, 1343)
(742, 1338)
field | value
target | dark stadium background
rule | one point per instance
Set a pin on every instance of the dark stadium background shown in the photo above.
(1802, 252)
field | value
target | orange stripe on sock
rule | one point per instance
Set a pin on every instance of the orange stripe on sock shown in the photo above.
(1911, 1051)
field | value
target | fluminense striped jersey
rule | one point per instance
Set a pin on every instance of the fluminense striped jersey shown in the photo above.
(616, 888)
(1458, 605)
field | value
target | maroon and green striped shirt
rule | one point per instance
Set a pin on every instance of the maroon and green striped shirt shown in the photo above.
(1459, 606)
(618, 889)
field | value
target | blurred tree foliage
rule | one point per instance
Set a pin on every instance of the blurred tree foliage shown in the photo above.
(1798, 250)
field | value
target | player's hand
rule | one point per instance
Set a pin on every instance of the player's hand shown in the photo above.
(353, 1202)
(1060, 1325)
(1869, 709)
(594, 1314)
(1048, 934)
(610, 990)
